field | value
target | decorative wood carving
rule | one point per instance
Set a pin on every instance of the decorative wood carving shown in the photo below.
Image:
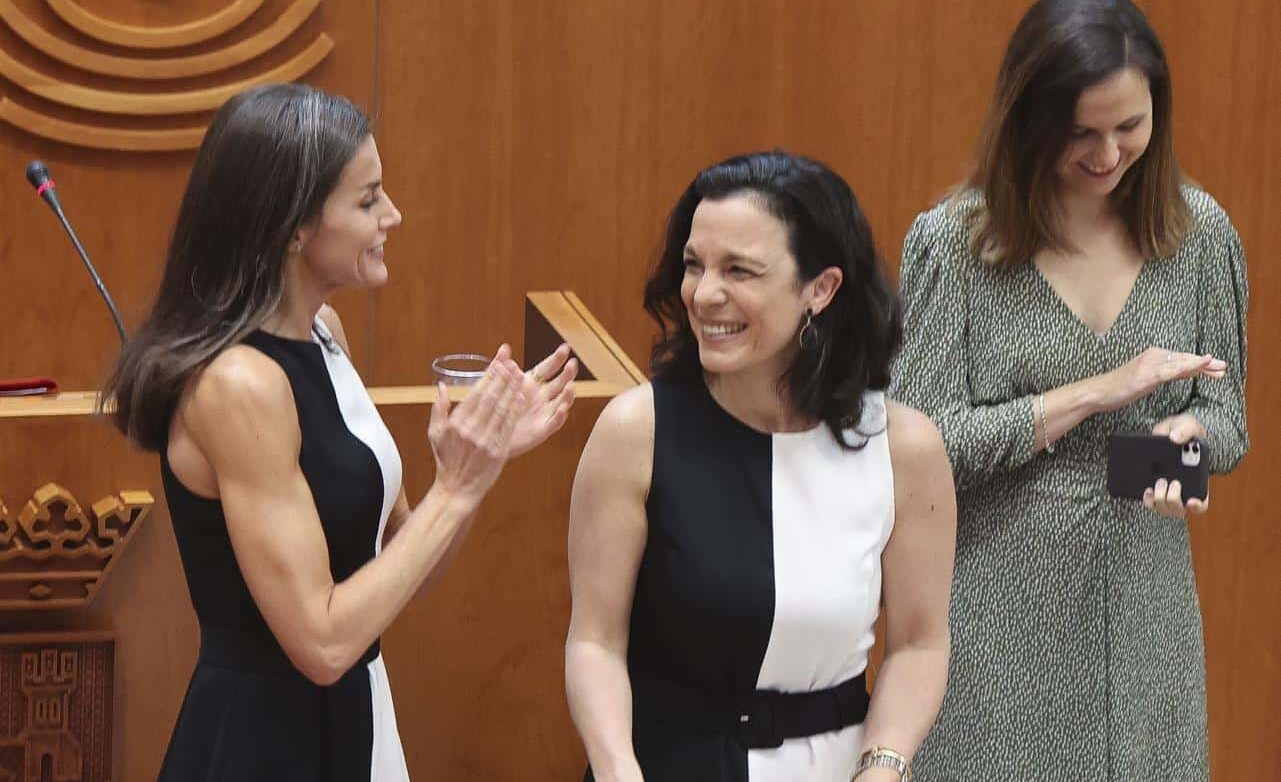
(158, 103)
(53, 555)
(174, 102)
(96, 137)
(56, 707)
(185, 34)
(167, 68)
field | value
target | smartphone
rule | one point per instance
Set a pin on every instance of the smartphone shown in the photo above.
(1137, 460)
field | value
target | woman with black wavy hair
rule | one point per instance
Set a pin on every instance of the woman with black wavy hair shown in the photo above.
(731, 520)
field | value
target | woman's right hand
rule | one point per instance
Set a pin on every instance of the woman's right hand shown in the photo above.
(472, 442)
(1149, 370)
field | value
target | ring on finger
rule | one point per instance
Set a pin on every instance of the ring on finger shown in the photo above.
(1169, 356)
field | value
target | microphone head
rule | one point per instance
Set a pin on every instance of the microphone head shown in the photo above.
(38, 173)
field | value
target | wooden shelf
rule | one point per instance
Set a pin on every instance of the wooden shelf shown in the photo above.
(551, 317)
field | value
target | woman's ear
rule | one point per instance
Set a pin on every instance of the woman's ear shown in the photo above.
(299, 239)
(823, 288)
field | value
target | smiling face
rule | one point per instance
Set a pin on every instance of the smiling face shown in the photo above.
(343, 247)
(1111, 130)
(741, 289)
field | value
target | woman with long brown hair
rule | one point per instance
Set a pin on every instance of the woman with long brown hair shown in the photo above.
(1076, 285)
(298, 541)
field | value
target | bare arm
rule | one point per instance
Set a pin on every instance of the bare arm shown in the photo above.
(240, 414)
(917, 580)
(607, 532)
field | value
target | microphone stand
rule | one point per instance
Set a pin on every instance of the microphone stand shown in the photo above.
(45, 190)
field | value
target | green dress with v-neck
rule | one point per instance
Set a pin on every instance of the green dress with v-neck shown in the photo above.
(1077, 650)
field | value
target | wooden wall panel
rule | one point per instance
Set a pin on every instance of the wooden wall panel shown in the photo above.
(1227, 76)
(537, 144)
(122, 204)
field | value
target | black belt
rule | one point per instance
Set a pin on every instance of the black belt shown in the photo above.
(775, 716)
(764, 719)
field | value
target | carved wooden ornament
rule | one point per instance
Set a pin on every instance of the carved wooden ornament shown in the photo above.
(54, 555)
(182, 62)
(56, 707)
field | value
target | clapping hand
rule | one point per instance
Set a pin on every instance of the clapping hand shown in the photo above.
(548, 394)
(472, 441)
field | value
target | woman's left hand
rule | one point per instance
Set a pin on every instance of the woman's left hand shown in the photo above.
(1166, 497)
(550, 395)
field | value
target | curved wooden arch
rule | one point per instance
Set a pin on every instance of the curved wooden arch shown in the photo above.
(158, 103)
(137, 37)
(44, 126)
(171, 68)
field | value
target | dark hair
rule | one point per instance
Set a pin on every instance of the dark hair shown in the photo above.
(858, 332)
(270, 158)
(1059, 49)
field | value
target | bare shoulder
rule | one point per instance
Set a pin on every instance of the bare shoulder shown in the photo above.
(630, 415)
(621, 446)
(241, 396)
(329, 316)
(924, 492)
(914, 439)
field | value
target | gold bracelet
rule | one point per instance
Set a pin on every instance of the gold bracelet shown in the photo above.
(883, 757)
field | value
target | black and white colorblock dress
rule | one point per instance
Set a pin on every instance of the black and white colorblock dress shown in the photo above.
(249, 715)
(761, 572)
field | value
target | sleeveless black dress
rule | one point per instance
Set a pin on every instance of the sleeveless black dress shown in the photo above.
(248, 714)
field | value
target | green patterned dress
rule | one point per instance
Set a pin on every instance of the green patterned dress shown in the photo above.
(1077, 650)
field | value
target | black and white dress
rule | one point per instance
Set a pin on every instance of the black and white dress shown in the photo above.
(248, 714)
(761, 571)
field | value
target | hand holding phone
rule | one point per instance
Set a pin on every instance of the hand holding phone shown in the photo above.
(1137, 460)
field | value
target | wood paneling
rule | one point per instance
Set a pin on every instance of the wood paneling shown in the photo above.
(537, 144)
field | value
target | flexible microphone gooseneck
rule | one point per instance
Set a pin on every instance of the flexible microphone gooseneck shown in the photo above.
(38, 176)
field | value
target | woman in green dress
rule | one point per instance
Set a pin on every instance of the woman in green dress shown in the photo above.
(1074, 286)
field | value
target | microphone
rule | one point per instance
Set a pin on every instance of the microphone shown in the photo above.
(39, 177)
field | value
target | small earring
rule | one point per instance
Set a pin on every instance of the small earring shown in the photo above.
(808, 338)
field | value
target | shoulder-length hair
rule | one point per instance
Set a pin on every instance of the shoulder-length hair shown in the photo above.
(858, 332)
(1059, 49)
(269, 160)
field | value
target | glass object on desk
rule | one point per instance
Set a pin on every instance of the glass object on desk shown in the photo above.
(459, 369)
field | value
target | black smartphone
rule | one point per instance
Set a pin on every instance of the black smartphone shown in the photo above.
(1137, 460)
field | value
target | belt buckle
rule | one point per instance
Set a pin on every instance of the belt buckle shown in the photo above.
(756, 727)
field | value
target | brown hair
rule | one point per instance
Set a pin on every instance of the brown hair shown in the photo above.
(269, 160)
(1059, 49)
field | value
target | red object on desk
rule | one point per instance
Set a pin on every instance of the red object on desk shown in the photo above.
(28, 386)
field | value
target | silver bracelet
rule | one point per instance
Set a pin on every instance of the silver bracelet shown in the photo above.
(1045, 429)
(883, 757)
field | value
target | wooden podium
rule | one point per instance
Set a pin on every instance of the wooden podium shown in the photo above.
(476, 665)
